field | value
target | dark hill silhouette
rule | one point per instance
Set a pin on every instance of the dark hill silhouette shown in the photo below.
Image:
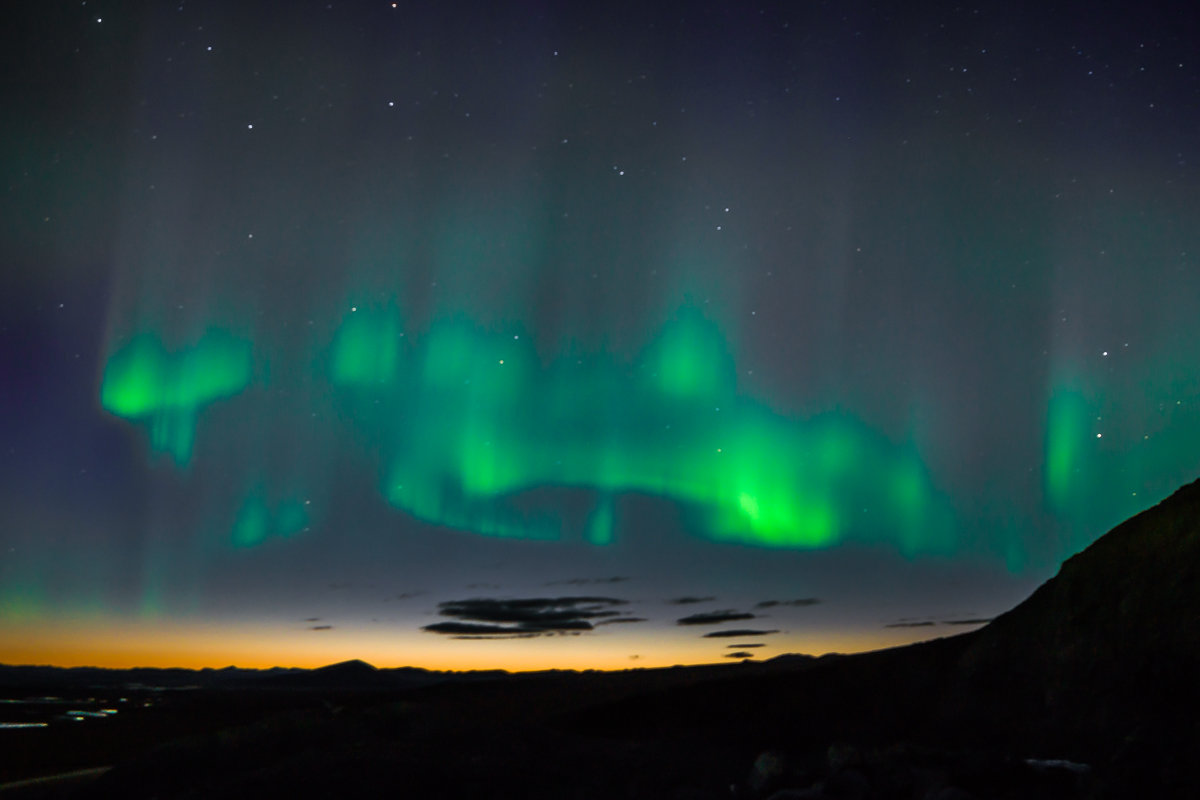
(1103, 659)
(353, 673)
(1099, 665)
(349, 670)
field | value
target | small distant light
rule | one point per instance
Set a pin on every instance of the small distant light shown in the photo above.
(1105, 353)
(502, 361)
(354, 308)
(1099, 435)
(250, 126)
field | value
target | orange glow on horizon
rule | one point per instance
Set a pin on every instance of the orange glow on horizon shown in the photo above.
(196, 645)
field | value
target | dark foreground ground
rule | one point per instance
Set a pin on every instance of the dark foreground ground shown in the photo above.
(744, 731)
(1088, 689)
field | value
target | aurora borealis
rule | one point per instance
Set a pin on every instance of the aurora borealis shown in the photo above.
(469, 418)
(318, 327)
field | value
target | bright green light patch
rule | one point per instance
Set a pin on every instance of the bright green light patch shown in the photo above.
(749, 505)
(486, 423)
(144, 381)
(1066, 440)
(690, 358)
(134, 379)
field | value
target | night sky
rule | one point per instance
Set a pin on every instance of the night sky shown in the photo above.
(533, 335)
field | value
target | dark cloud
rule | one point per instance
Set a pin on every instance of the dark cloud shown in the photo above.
(531, 609)
(312, 619)
(714, 617)
(520, 618)
(739, 655)
(746, 644)
(684, 601)
(798, 602)
(473, 629)
(737, 633)
(983, 621)
(922, 624)
(586, 581)
(615, 620)
(321, 628)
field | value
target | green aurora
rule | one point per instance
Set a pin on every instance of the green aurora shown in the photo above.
(474, 428)
(144, 381)
(465, 420)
